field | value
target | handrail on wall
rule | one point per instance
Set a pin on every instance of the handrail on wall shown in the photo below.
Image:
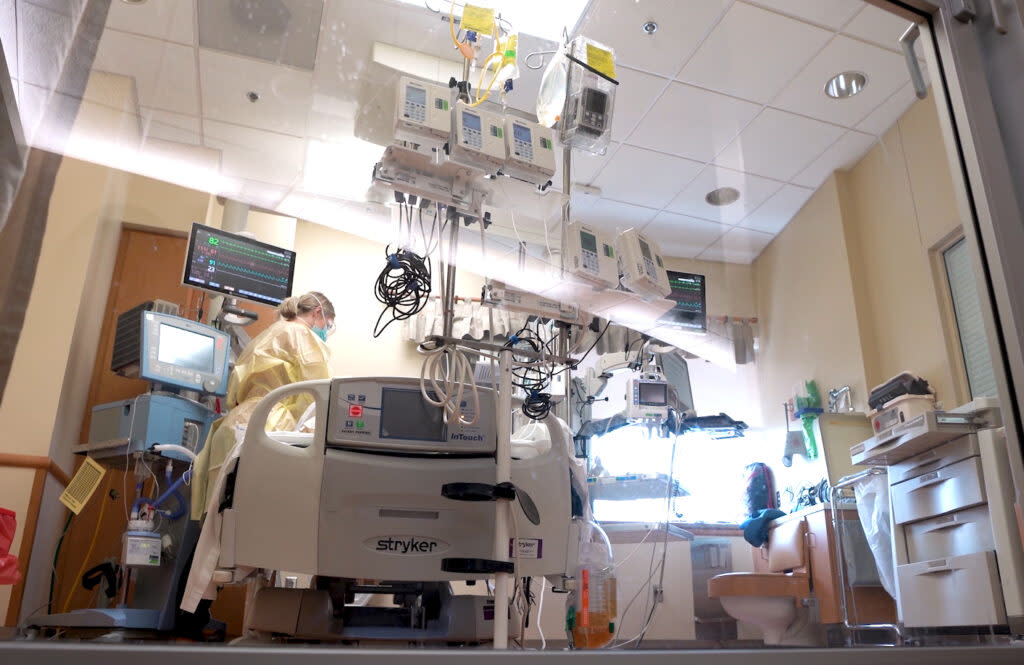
(36, 462)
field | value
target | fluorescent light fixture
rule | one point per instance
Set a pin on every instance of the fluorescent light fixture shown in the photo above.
(541, 18)
(845, 85)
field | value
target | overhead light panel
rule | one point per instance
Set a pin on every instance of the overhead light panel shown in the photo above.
(845, 85)
(722, 196)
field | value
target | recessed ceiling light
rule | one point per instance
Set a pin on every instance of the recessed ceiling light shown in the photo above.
(649, 27)
(723, 196)
(845, 85)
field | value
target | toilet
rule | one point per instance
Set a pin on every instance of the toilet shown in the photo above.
(774, 601)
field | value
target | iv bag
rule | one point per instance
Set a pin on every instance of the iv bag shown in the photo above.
(551, 98)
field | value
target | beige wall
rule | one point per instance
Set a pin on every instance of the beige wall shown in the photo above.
(805, 304)
(851, 291)
(897, 208)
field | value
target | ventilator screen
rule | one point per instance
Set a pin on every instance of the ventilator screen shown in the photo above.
(184, 348)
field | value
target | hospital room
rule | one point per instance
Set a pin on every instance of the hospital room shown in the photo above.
(678, 330)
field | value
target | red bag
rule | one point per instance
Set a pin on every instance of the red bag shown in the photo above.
(9, 573)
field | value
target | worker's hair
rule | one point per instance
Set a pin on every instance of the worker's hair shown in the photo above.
(296, 305)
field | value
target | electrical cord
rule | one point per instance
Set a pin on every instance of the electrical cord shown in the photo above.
(584, 357)
(403, 287)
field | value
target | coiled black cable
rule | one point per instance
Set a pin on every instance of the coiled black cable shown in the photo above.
(532, 374)
(403, 287)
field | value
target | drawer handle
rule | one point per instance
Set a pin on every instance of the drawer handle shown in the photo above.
(940, 527)
(925, 463)
(936, 571)
(929, 483)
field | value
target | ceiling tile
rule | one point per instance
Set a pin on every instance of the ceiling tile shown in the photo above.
(879, 27)
(682, 24)
(753, 192)
(841, 155)
(611, 215)
(643, 89)
(644, 177)
(778, 145)
(737, 246)
(682, 236)
(254, 154)
(753, 53)
(775, 213)
(885, 116)
(831, 14)
(585, 165)
(285, 94)
(171, 20)
(164, 73)
(283, 31)
(169, 126)
(693, 122)
(885, 71)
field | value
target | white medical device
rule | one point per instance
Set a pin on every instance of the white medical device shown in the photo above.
(647, 398)
(643, 269)
(385, 490)
(590, 255)
(423, 113)
(531, 151)
(477, 138)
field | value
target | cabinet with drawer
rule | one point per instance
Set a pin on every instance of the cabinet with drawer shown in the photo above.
(940, 491)
(957, 551)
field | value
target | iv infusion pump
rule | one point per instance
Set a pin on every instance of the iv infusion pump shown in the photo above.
(591, 255)
(531, 151)
(422, 114)
(478, 138)
(643, 270)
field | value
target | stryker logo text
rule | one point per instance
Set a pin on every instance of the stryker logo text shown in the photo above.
(411, 545)
(458, 436)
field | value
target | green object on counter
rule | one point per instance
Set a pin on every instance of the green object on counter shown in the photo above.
(810, 442)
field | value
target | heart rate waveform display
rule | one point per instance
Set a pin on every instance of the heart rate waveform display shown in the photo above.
(688, 293)
(238, 266)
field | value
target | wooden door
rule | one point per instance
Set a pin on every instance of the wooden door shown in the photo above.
(149, 266)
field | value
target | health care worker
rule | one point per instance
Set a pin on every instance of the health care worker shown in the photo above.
(292, 349)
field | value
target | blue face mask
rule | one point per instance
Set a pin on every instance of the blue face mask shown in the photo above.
(321, 333)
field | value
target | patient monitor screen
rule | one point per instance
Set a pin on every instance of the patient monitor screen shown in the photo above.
(186, 349)
(654, 394)
(405, 415)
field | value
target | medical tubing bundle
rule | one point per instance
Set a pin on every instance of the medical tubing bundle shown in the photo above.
(448, 371)
(403, 287)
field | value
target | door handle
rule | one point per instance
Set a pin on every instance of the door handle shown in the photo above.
(907, 40)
